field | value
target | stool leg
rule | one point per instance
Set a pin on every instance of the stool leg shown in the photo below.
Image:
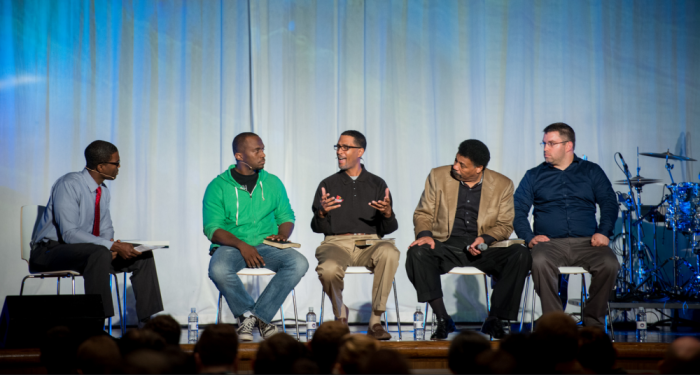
(425, 319)
(323, 299)
(58, 285)
(527, 289)
(584, 294)
(386, 321)
(124, 303)
(73, 279)
(122, 323)
(532, 313)
(612, 330)
(218, 309)
(488, 301)
(296, 317)
(398, 318)
(109, 321)
(284, 326)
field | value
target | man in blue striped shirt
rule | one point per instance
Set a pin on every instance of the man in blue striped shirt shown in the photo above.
(564, 191)
(75, 233)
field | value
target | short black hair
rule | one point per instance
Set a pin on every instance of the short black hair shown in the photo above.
(218, 345)
(476, 151)
(564, 130)
(239, 140)
(461, 357)
(360, 139)
(166, 326)
(98, 152)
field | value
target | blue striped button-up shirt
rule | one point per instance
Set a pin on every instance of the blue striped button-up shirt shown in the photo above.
(70, 213)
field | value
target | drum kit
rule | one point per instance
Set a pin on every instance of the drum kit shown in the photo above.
(679, 210)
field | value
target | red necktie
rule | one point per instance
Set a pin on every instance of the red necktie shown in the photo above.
(96, 225)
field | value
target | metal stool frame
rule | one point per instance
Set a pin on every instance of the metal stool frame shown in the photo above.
(360, 271)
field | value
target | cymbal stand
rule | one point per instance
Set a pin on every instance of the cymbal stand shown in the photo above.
(669, 166)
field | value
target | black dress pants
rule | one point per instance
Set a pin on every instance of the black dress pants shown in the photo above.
(95, 263)
(509, 265)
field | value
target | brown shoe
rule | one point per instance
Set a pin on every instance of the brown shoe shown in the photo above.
(377, 331)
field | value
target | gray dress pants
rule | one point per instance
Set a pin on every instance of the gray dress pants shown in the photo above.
(601, 262)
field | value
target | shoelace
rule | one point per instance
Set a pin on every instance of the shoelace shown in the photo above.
(248, 324)
(265, 327)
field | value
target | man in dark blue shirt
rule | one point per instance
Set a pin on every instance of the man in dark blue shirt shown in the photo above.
(564, 191)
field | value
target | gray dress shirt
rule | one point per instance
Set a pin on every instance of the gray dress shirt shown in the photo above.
(70, 213)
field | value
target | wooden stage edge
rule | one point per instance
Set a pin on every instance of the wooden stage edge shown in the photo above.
(421, 354)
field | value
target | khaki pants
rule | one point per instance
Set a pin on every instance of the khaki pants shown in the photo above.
(337, 253)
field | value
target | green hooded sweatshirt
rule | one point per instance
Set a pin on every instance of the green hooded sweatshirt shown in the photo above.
(250, 217)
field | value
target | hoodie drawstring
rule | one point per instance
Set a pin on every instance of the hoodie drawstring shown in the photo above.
(262, 191)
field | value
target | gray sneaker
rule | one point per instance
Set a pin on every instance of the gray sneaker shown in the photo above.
(245, 330)
(266, 330)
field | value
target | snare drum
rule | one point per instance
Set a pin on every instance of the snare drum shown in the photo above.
(683, 211)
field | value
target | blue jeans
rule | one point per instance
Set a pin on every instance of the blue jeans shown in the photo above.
(289, 264)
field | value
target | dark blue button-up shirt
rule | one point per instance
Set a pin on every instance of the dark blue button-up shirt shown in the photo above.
(565, 201)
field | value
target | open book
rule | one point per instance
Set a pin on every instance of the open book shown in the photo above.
(142, 246)
(281, 244)
(373, 241)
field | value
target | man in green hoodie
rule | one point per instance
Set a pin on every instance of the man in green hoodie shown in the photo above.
(242, 207)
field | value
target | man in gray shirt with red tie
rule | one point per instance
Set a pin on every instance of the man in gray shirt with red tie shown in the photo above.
(75, 233)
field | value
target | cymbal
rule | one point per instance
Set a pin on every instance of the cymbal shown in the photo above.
(638, 181)
(664, 154)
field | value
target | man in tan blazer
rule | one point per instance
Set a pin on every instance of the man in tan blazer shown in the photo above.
(463, 206)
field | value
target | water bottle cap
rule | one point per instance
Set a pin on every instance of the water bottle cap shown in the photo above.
(311, 309)
(194, 309)
(419, 308)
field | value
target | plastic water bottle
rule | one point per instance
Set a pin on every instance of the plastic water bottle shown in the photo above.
(641, 325)
(418, 325)
(310, 324)
(193, 327)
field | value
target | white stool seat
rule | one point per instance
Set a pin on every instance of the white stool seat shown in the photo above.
(256, 272)
(357, 271)
(50, 273)
(571, 270)
(466, 271)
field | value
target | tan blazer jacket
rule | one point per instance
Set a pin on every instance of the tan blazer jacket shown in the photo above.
(438, 205)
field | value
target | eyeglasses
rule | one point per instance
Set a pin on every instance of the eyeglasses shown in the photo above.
(551, 144)
(111, 162)
(344, 147)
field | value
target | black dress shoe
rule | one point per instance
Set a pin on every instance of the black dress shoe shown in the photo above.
(444, 327)
(493, 326)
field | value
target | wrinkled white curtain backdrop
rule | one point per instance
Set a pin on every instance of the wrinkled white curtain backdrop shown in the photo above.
(172, 82)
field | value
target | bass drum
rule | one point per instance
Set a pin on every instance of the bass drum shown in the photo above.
(683, 212)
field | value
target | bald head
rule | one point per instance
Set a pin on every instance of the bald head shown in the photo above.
(684, 348)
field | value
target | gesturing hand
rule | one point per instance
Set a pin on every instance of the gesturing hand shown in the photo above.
(383, 206)
(252, 258)
(423, 241)
(327, 203)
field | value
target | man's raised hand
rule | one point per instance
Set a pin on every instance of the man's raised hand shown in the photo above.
(327, 203)
(383, 206)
